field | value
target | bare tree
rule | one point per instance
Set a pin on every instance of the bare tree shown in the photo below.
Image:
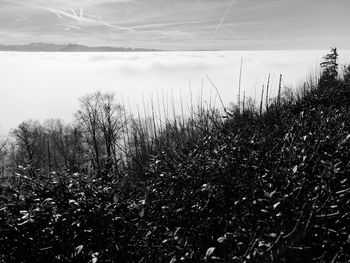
(65, 146)
(87, 117)
(102, 121)
(111, 122)
(30, 141)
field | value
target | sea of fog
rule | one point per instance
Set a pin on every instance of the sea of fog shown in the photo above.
(48, 85)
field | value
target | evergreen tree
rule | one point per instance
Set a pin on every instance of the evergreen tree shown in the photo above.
(329, 67)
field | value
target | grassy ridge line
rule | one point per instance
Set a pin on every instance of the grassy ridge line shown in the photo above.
(267, 188)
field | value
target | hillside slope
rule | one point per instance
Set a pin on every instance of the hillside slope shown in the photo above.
(269, 188)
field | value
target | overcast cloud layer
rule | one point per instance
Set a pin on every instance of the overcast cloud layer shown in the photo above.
(48, 85)
(179, 24)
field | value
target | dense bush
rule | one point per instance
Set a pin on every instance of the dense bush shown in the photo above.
(269, 188)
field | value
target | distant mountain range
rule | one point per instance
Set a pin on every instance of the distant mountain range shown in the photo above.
(44, 47)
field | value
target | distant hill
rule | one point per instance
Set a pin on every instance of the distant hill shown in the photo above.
(32, 47)
(45, 47)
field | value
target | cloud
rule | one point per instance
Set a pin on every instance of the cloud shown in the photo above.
(174, 24)
(80, 17)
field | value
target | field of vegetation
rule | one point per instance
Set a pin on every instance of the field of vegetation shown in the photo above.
(251, 184)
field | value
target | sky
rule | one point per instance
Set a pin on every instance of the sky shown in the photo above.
(179, 24)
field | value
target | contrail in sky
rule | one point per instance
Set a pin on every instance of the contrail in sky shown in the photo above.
(81, 17)
(224, 17)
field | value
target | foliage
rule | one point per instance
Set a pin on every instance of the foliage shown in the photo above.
(253, 188)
